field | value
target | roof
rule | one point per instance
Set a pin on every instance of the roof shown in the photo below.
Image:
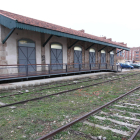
(11, 20)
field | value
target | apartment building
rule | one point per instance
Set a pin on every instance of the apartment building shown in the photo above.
(133, 55)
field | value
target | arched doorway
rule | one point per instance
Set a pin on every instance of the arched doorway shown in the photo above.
(92, 57)
(56, 56)
(26, 55)
(111, 58)
(77, 56)
(103, 58)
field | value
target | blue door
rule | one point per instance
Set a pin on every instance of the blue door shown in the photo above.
(92, 58)
(26, 55)
(56, 57)
(77, 56)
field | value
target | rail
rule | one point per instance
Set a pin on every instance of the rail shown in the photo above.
(66, 91)
(51, 134)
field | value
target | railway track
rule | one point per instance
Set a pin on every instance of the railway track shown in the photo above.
(62, 92)
(73, 82)
(52, 87)
(71, 108)
(119, 118)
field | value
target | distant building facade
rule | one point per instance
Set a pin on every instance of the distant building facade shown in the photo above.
(121, 54)
(132, 55)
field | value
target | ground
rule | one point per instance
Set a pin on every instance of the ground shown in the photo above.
(33, 119)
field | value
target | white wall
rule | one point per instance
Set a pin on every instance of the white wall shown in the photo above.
(12, 44)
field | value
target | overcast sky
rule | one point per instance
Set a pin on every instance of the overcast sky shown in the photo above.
(116, 19)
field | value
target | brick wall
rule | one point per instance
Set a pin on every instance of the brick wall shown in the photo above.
(82, 44)
(70, 52)
(42, 49)
(135, 54)
(85, 53)
(3, 52)
(70, 56)
(115, 57)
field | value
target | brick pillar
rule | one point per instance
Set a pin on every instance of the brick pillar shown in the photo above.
(98, 54)
(3, 54)
(108, 55)
(115, 58)
(0, 34)
(87, 56)
(83, 52)
(86, 53)
(70, 52)
(42, 51)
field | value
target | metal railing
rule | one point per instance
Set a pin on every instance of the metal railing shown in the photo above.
(34, 70)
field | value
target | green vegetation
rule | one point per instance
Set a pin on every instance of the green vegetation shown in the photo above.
(34, 119)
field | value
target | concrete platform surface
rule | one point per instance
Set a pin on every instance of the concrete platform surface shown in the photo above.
(19, 85)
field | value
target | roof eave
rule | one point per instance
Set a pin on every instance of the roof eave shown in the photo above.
(57, 33)
(10, 23)
(7, 22)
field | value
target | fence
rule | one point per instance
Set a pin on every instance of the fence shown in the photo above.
(35, 70)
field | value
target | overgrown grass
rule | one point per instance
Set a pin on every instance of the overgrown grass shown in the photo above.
(34, 119)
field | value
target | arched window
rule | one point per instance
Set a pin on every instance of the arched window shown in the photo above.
(56, 56)
(102, 51)
(26, 43)
(111, 52)
(91, 50)
(26, 54)
(77, 48)
(56, 46)
(92, 57)
(77, 56)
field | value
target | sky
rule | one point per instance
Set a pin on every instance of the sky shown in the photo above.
(116, 19)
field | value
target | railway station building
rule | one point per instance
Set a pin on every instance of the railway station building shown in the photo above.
(30, 47)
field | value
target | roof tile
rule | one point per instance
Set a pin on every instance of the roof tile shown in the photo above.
(42, 24)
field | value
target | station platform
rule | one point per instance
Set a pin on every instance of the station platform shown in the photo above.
(32, 83)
